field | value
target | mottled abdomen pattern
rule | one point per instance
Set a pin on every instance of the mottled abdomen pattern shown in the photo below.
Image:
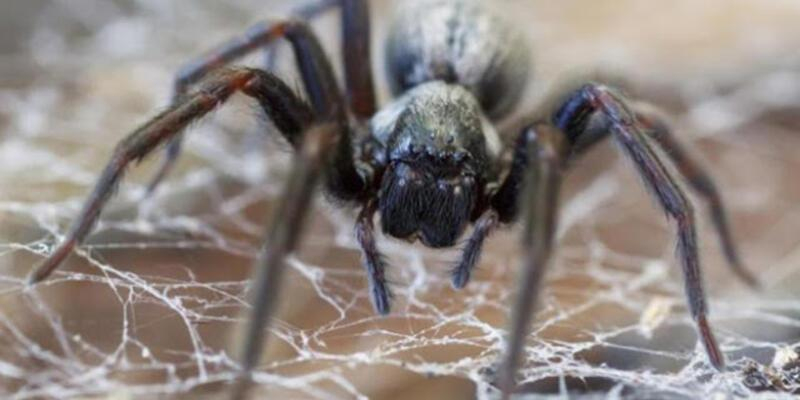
(457, 42)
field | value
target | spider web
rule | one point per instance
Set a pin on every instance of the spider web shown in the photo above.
(152, 303)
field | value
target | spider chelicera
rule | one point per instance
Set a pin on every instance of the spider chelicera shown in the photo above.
(430, 162)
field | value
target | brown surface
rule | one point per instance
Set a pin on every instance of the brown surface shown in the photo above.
(81, 94)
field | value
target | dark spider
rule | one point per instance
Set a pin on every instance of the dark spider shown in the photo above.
(430, 162)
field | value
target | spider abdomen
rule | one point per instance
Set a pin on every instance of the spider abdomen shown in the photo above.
(458, 42)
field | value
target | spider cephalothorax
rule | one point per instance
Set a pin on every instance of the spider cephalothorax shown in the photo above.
(430, 161)
(439, 161)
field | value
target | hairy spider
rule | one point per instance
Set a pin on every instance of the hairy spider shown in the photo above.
(430, 162)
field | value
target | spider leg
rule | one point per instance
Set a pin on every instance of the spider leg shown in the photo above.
(539, 158)
(356, 31)
(484, 226)
(357, 58)
(536, 179)
(282, 234)
(374, 261)
(303, 12)
(629, 134)
(282, 237)
(256, 37)
(133, 148)
(356, 35)
(290, 114)
(657, 128)
(320, 133)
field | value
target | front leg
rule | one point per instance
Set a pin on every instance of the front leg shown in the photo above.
(535, 181)
(628, 132)
(358, 68)
(314, 139)
(135, 147)
(258, 36)
(282, 238)
(290, 114)
(374, 261)
(702, 183)
(536, 178)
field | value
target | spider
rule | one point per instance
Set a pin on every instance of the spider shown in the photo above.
(430, 162)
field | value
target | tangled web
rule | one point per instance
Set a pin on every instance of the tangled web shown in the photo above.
(151, 304)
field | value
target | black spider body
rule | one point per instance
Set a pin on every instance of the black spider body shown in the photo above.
(458, 42)
(440, 157)
(451, 65)
(430, 162)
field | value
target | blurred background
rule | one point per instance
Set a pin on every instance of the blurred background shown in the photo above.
(150, 305)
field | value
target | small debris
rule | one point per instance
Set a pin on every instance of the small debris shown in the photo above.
(654, 315)
(782, 376)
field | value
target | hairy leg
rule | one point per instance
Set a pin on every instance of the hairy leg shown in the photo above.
(485, 225)
(135, 147)
(358, 61)
(536, 182)
(282, 236)
(625, 129)
(260, 85)
(374, 261)
(305, 11)
(700, 180)
(314, 142)
(356, 38)
(542, 150)
(256, 37)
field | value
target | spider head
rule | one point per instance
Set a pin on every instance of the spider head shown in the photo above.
(437, 157)
(418, 201)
